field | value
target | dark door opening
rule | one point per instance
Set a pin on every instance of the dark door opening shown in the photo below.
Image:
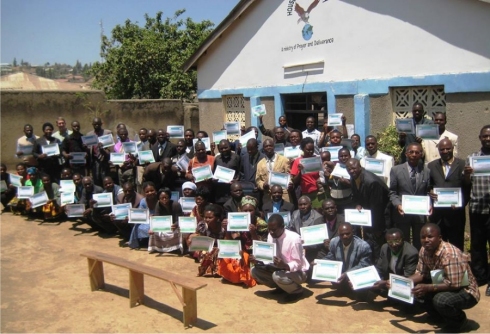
(298, 107)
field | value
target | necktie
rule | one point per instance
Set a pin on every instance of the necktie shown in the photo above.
(447, 169)
(160, 150)
(413, 179)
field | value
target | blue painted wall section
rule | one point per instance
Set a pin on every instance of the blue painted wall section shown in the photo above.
(362, 115)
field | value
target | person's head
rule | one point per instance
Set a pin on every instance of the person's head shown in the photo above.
(440, 119)
(108, 184)
(61, 123)
(3, 169)
(353, 167)
(417, 111)
(200, 150)
(75, 126)
(188, 137)
(21, 169)
(236, 190)
(33, 174)
(213, 214)
(371, 144)
(268, 148)
(279, 134)
(308, 147)
(276, 193)
(201, 134)
(304, 205)
(97, 123)
(224, 148)
(252, 147)
(344, 155)
(66, 174)
(414, 153)
(256, 131)
(166, 165)
(356, 141)
(164, 195)
(161, 136)
(48, 129)
(485, 137)
(446, 149)
(189, 189)
(122, 134)
(77, 179)
(128, 190)
(329, 209)
(295, 137)
(46, 180)
(394, 239)
(310, 124)
(430, 237)
(325, 156)
(335, 138)
(202, 196)
(345, 233)
(180, 146)
(143, 134)
(88, 184)
(149, 190)
(152, 136)
(249, 204)
(28, 130)
(275, 225)
(283, 122)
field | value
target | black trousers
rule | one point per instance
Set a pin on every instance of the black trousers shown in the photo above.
(451, 222)
(480, 237)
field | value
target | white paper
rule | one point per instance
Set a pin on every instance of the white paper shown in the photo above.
(67, 198)
(334, 152)
(340, 171)
(183, 163)
(161, 224)
(90, 140)
(238, 221)
(232, 128)
(200, 243)
(245, 138)
(187, 203)
(187, 224)
(376, 166)
(16, 180)
(229, 249)
(405, 125)
(138, 216)
(292, 152)
(279, 148)
(427, 131)
(314, 235)
(311, 165)
(363, 278)
(51, 149)
(335, 119)
(78, 158)
(205, 140)
(39, 199)
(280, 179)
(224, 174)
(219, 136)
(104, 200)
(401, 288)
(480, 165)
(286, 215)
(26, 149)
(446, 197)
(326, 270)
(75, 210)
(264, 251)
(106, 140)
(145, 157)
(118, 158)
(202, 173)
(3, 186)
(121, 211)
(356, 217)
(416, 205)
(67, 186)
(174, 196)
(25, 192)
(259, 110)
(175, 131)
(130, 147)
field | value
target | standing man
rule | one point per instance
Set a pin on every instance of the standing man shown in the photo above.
(373, 153)
(99, 156)
(283, 124)
(290, 265)
(163, 148)
(62, 132)
(312, 132)
(189, 137)
(227, 159)
(25, 145)
(73, 143)
(447, 172)
(409, 178)
(152, 137)
(430, 145)
(248, 165)
(480, 213)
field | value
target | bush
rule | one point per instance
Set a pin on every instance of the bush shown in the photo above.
(388, 143)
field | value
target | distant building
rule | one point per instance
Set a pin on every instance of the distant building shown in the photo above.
(5, 68)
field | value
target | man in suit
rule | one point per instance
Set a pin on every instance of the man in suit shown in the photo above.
(163, 148)
(278, 204)
(161, 174)
(406, 139)
(430, 147)
(333, 220)
(99, 156)
(447, 172)
(409, 178)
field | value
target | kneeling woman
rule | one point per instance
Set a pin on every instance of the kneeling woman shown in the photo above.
(140, 233)
(52, 209)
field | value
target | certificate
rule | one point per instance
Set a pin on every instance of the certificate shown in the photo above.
(26, 149)
(416, 205)
(311, 165)
(15, 180)
(67, 186)
(106, 140)
(138, 216)
(104, 200)
(314, 235)
(279, 148)
(447, 197)
(121, 211)
(174, 196)
(51, 149)
(219, 136)
(259, 110)
(202, 173)
(224, 174)
(229, 249)
(340, 171)
(427, 131)
(280, 179)
(334, 152)
(39, 199)
(363, 278)
(347, 143)
(187, 203)
(232, 128)
(78, 158)
(162, 224)
(264, 251)
(335, 119)
(405, 125)
(90, 140)
(25, 192)
(118, 158)
(175, 131)
(326, 270)
(3, 186)
(183, 163)
(356, 217)
(199, 243)
(205, 140)
(67, 198)
(130, 147)
(238, 221)
(145, 157)
(376, 166)
(292, 152)
(286, 215)
(75, 210)
(249, 135)
(401, 288)
(187, 224)
(480, 165)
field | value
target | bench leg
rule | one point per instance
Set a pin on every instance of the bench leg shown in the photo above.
(190, 308)
(96, 274)
(136, 289)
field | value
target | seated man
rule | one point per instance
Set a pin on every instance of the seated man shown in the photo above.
(290, 266)
(129, 195)
(233, 204)
(89, 188)
(278, 204)
(333, 221)
(457, 290)
(396, 257)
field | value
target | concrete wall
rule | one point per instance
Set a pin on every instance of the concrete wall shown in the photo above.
(381, 113)
(37, 107)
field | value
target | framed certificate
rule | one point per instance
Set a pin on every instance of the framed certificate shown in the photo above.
(104, 200)
(334, 152)
(25, 192)
(340, 171)
(416, 205)
(401, 288)
(314, 235)
(202, 173)
(146, 157)
(232, 128)
(280, 179)
(51, 149)
(90, 140)
(175, 196)
(326, 270)
(238, 221)
(205, 140)
(121, 211)
(200, 243)
(347, 143)
(244, 139)
(67, 186)
(405, 125)
(138, 216)
(356, 217)
(162, 224)
(3, 186)
(292, 152)
(376, 166)
(187, 203)
(175, 131)
(447, 197)
(130, 147)
(229, 249)
(219, 136)
(74, 210)
(78, 158)
(259, 110)
(183, 163)
(67, 198)
(39, 199)
(106, 140)
(118, 158)
(311, 165)
(224, 174)
(26, 149)
(264, 251)
(363, 278)
(279, 148)
(286, 215)
(335, 119)
(187, 224)
(427, 131)
(480, 165)
(15, 180)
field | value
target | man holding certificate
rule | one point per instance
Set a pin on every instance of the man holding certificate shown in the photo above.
(99, 156)
(25, 145)
(73, 144)
(226, 159)
(373, 153)
(48, 159)
(430, 146)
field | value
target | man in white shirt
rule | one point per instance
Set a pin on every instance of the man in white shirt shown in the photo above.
(25, 145)
(373, 153)
(312, 132)
(63, 131)
(430, 145)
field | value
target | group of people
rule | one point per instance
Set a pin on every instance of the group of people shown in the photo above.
(402, 243)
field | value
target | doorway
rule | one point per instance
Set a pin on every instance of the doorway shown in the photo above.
(298, 107)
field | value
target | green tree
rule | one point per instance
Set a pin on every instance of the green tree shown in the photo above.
(14, 63)
(146, 62)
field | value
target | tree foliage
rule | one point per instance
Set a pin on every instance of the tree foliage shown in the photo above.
(146, 62)
(388, 143)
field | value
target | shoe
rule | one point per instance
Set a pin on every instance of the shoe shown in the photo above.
(291, 298)
(461, 328)
(487, 293)
(277, 291)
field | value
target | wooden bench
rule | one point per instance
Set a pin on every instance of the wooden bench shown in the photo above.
(188, 298)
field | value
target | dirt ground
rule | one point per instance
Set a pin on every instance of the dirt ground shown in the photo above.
(45, 288)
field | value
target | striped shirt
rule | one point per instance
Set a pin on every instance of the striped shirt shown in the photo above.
(480, 190)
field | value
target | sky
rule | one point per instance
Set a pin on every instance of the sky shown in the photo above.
(64, 31)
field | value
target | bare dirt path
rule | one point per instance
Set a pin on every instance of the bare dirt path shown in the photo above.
(45, 288)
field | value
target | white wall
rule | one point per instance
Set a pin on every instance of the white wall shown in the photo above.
(371, 39)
